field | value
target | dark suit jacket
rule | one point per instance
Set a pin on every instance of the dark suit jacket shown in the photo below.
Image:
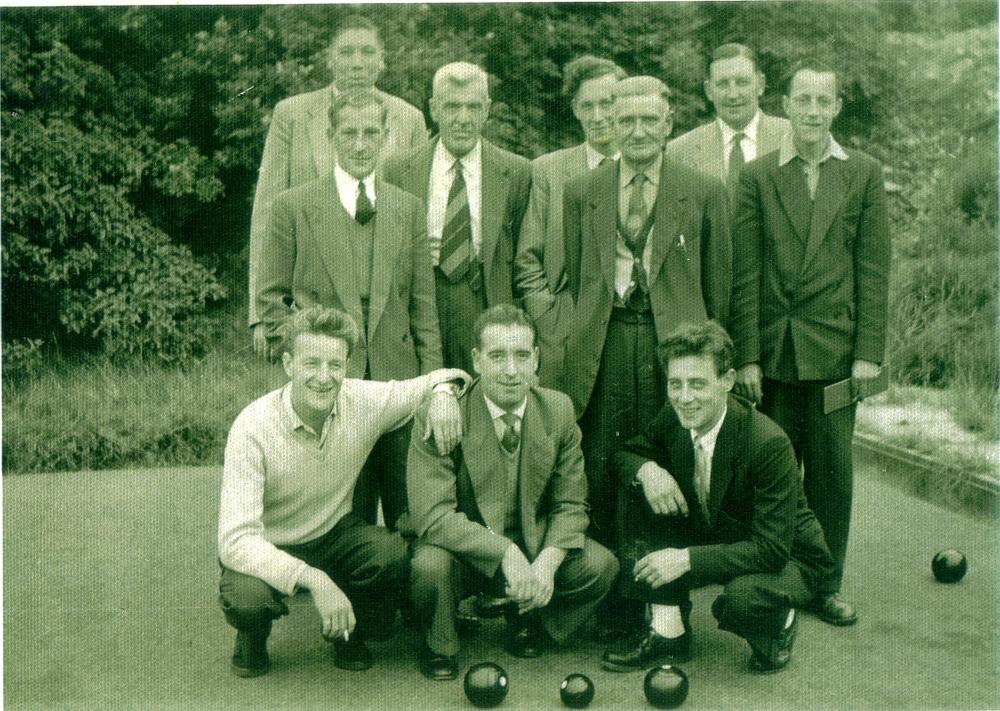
(457, 501)
(760, 519)
(815, 274)
(307, 257)
(506, 181)
(691, 265)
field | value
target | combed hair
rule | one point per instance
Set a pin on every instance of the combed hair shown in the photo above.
(503, 315)
(812, 65)
(320, 321)
(587, 67)
(734, 49)
(698, 339)
(357, 100)
(460, 74)
(355, 22)
(642, 86)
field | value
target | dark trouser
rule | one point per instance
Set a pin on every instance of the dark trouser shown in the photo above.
(384, 476)
(628, 392)
(440, 580)
(823, 446)
(368, 563)
(458, 305)
(749, 606)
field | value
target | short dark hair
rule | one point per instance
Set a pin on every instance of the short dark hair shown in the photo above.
(586, 67)
(707, 338)
(812, 65)
(355, 21)
(357, 100)
(502, 315)
(321, 321)
(731, 50)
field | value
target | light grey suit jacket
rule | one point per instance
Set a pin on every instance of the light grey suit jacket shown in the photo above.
(701, 148)
(298, 149)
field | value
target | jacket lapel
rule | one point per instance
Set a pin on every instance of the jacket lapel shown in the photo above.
(492, 199)
(537, 456)
(318, 122)
(416, 176)
(486, 474)
(793, 194)
(722, 465)
(831, 192)
(670, 202)
(604, 221)
(771, 130)
(387, 240)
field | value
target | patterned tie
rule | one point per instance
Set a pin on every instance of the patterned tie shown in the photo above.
(511, 439)
(364, 211)
(701, 483)
(636, 216)
(457, 255)
(736, 162)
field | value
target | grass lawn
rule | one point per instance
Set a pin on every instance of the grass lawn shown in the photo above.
(109, 592)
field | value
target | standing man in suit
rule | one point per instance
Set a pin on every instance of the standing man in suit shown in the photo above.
(647, 247)
(298, 148)
(475, 194)
(539, 276)
(353, 241)
(710, 494)
(506, 511)
(740, 131)
(812, 242)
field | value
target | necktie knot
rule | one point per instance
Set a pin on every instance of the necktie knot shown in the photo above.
(364, 210)
(511, 437)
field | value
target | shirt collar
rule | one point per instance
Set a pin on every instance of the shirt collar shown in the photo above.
(470, 161)
(594, 156)
(709, 438)
(292, 417)
(347, 186)
(496, 411)
(652, 172)
(787, 150)
(750, 130)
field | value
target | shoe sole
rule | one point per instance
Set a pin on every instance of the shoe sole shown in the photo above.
(355, 666)
(664, 659)
(248, 672)
(835, 621)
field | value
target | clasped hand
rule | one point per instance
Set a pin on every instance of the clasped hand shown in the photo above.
(529, 585)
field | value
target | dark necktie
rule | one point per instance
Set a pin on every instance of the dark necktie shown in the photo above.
(457, 253)
(511, 439)
(636, 216)
(364, 211)
(736, 162)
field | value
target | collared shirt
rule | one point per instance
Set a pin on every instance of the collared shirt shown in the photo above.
(347, 188)
(594, 156)
(497, 413)
(748, 143)
(787, 152)
(623, 255)
(708, 441)
(283, 483)
(442, 176)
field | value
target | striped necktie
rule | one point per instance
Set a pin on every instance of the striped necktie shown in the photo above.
(511, 439)
(736, 162)
(701, 474)
(457, 254)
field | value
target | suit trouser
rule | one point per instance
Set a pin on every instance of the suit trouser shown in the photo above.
(370, 564)
(384, 477)
(439, 580)
(458, 306)
(751, 605)
(628, 392)
(823, 446)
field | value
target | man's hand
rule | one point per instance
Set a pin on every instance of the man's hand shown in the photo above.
(444, 422)
(259, 334)
(544, 569)
(861, 372)
(522, 585)
(749, 379)
(661, 567)
(335, 611)
(661, 490)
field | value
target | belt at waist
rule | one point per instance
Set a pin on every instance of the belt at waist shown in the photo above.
(625, 315)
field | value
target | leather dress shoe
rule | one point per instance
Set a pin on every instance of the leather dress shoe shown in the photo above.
(352, 655)
(645, 649)
(772, 654)
(437, 667)
(833, 609)
(250, 656)
(526, 641)
(489, 606)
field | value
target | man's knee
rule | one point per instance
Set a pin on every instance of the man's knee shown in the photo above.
(431, 566)
(391, 552)
(249, 603)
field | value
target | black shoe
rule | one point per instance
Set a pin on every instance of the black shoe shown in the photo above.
(250, 656)
(646, 649)
(352, 655)
(467, 625)
(488, 606)
(771, 655)
(833, 610)
(525, 640)
(437, 667)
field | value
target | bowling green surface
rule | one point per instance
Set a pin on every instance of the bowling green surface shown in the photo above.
(109, 603)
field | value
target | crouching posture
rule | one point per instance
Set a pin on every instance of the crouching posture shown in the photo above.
(291, 464)
(505, 512)
(710, 493)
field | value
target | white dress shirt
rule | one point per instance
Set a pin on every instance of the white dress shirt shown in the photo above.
(497, 413)
(748, 143)
(442, 176)
(708, 441)
(347, 188)
(623, 255)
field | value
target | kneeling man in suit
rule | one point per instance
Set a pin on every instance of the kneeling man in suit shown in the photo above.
(506, 510)
(710, 493)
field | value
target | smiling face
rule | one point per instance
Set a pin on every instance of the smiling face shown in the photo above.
(811, 105)
(734, 87)
(358, 138)
(506, 360)
(317, 367)
(592, 108)
(356, 59)
(697, 392)
(642, 123)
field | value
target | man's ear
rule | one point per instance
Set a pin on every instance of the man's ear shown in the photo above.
(728, 379)
(286, 363)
